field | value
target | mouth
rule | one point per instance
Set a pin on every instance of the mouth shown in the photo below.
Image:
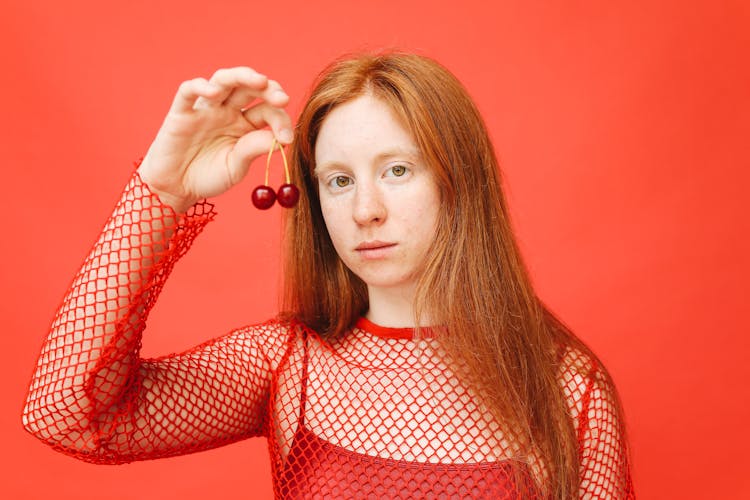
(373, 245)
(374, 249)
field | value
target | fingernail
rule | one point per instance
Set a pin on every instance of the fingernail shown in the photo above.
(280, 94)
(286, 135)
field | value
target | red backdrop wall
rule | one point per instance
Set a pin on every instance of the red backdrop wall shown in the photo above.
(622, 129)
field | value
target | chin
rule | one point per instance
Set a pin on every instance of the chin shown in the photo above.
(380, 280)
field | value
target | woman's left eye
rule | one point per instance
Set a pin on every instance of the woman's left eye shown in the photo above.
(397, 170)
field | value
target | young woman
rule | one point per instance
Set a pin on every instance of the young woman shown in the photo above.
(412, 358)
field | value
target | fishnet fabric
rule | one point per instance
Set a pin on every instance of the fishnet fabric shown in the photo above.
(373, 414)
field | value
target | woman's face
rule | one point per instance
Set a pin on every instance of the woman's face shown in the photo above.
(379, 200)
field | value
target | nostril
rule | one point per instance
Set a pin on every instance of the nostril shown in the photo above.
(368, 206)
(365, 214)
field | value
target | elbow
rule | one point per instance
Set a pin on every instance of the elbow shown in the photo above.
(45, 425)
(60, 428)
(70, 433)
(38, 421)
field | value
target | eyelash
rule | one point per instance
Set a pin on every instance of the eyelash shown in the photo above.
(334, 181)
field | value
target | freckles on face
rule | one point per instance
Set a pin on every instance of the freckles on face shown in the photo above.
(379, 200)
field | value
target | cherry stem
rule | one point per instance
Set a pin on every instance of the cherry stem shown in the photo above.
(283, 156)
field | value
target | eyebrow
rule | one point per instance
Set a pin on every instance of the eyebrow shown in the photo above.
(384, 155)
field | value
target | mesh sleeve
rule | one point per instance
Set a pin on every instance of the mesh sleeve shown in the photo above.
(93, 398)
(605, 468)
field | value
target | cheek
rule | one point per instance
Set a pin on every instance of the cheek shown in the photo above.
(332, 216)
(426, 213)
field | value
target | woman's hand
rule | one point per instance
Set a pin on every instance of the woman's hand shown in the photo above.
(207, 142)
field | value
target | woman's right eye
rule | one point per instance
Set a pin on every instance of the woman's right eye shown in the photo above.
(341, 181)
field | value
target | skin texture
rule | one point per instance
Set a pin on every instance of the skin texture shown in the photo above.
(374, 186)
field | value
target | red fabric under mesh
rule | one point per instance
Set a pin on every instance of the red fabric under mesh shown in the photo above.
(374, 414)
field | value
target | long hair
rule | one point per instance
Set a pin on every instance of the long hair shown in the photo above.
(474, 282)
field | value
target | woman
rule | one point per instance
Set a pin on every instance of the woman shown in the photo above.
(412, 358)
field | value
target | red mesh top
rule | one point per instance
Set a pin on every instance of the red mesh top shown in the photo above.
(373, 414)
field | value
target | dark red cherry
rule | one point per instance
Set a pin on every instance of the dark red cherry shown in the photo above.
(263, 197)
(288, 195)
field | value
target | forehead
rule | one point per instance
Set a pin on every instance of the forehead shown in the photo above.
(361, 130)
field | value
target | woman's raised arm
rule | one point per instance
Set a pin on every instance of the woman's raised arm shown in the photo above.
(91, 395)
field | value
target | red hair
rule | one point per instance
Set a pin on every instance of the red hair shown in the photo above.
(508, 345)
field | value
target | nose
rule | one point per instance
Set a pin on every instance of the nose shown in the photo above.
(368, 205)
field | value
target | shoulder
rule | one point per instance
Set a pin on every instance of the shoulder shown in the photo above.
(587, 385)
(274, 338)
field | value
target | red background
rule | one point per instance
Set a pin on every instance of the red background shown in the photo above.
(622, 129)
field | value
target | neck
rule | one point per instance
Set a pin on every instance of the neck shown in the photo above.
(393, 307)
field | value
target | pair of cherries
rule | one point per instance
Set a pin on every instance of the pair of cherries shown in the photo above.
(264, 196)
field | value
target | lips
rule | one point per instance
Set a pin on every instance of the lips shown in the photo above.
(371, 245)
(375, 250)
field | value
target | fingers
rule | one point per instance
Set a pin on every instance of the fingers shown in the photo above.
(230, 78)
(242, 96)
(231, 87)
(191, 90)
(264, 114)
(241, 85)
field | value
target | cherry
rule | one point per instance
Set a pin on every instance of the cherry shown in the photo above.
(263, 197)
(288, 195)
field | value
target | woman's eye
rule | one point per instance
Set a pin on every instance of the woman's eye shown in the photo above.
(397, 170)
(342, 181)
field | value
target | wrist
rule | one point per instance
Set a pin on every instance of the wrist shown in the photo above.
(179, 204)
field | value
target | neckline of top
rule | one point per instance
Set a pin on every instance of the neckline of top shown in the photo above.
(389, 332)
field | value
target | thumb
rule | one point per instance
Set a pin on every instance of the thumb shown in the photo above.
(248, 148)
